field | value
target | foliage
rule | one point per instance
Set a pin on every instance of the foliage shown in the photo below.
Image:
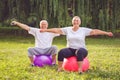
(101, 14)
(103, 55)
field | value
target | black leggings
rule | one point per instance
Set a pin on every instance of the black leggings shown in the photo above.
(68, 52)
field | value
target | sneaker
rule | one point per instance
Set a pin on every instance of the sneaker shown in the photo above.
(32, 65)
(54, 65)
(80, 73)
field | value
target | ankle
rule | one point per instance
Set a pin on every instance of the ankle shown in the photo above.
(54, 62)
(80, 70)
(59, 69)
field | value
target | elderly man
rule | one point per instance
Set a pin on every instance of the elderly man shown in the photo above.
(43, 41)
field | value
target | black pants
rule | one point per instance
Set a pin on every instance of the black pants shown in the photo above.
(68, 52)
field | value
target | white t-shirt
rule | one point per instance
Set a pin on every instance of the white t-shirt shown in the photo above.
(42, 39)
(76, 39)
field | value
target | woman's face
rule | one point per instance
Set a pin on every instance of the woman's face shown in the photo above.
(76, 21)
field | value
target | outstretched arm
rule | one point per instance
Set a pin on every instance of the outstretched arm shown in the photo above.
(100, 32)
(53, 30)
(21, 25)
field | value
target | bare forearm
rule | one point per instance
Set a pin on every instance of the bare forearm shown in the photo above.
(21, 25)
(100, 32)
(53, 30)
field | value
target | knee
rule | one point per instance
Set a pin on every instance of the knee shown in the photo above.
(30, 51)
(63, 52)
(81, 54)
(60, 55)
(54, 47)
(82, 51)
(54, 50)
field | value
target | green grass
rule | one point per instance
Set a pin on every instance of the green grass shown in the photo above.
(104, 57)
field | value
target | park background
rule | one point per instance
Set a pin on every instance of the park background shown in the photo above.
(101, 14)
(104, 52)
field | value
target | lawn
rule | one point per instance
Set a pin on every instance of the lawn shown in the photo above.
(104, 57)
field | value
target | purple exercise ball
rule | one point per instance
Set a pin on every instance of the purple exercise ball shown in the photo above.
(42, 60)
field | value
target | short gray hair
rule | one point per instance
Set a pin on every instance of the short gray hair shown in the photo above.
(43, 21)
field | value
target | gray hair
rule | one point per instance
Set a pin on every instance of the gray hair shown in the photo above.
(43, 21)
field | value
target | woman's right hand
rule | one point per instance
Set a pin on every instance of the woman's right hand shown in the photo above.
(110, 34)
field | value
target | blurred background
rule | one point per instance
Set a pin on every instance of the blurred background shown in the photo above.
(101, 14)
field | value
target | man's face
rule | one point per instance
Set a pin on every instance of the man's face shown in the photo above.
(43, 25)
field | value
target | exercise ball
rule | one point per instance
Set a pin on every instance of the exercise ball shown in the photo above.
(42, 60)
(70, 64)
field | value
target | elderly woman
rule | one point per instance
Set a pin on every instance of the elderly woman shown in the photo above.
(75, 41)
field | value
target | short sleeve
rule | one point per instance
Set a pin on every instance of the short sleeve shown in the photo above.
(64, 30)
(87, 31)
(32, 31)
